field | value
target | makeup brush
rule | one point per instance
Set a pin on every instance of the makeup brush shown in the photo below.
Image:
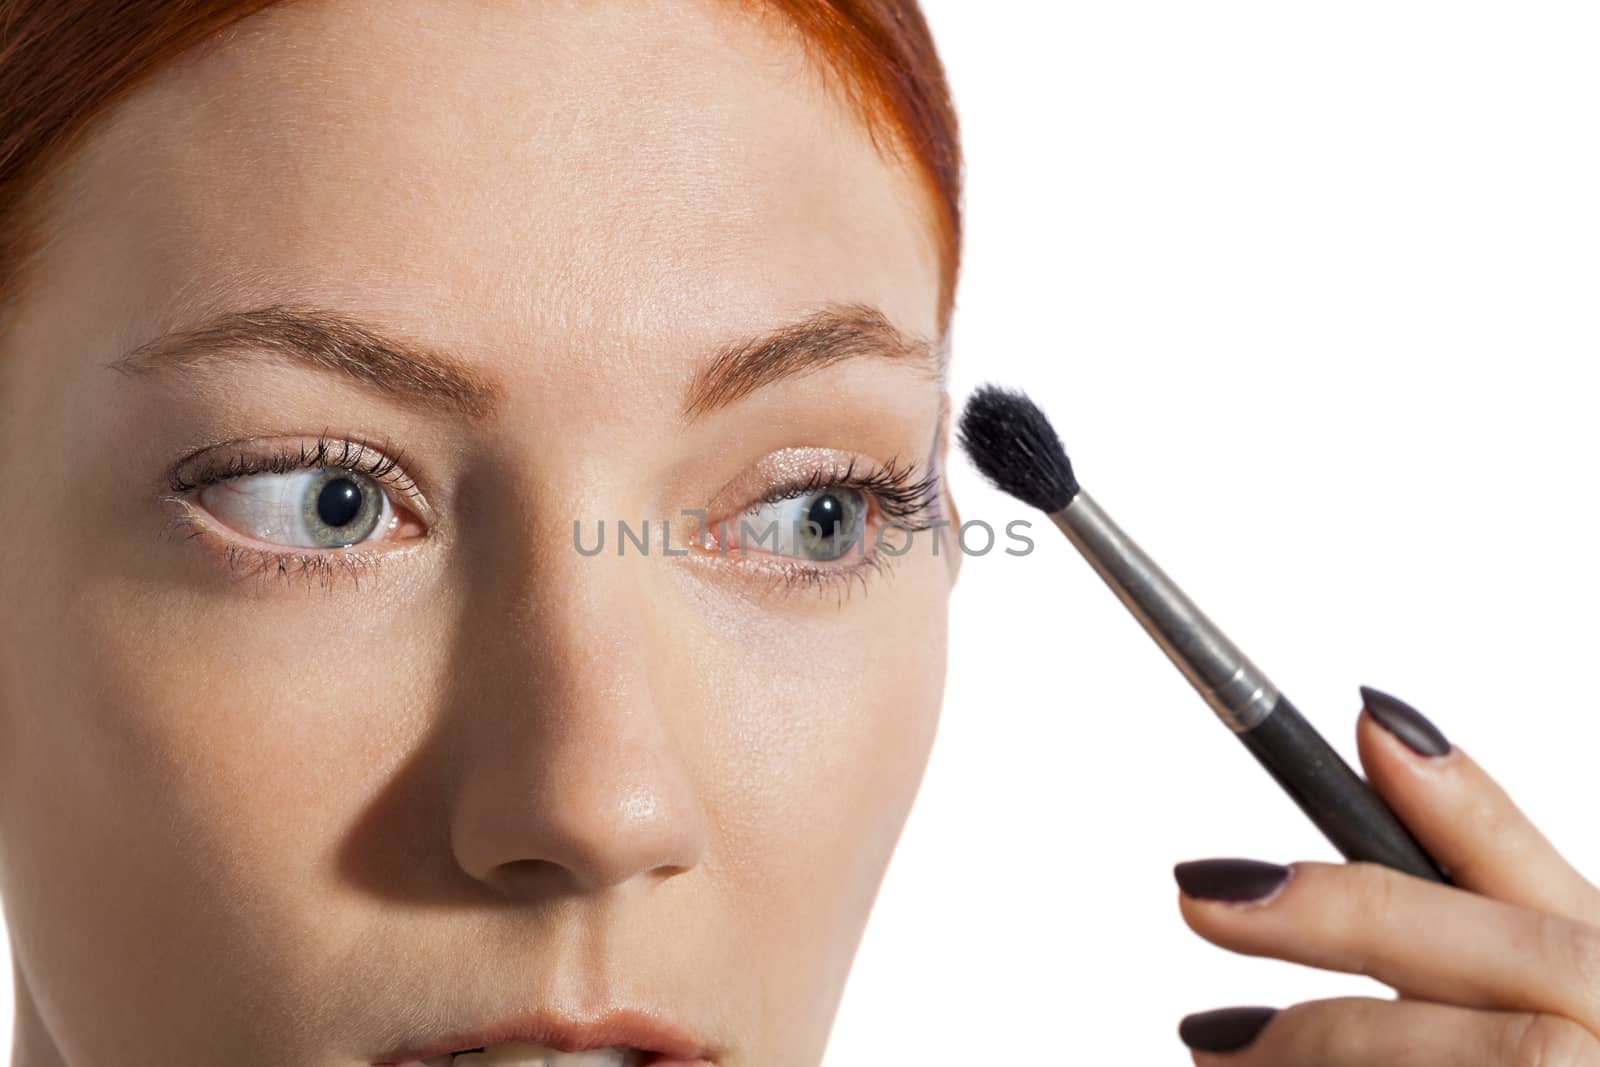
(1014, 446)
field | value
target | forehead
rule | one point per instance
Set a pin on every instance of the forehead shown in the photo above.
(619, 180)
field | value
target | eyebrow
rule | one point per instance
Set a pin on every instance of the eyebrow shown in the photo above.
(437, 381)
(837, 332)
(418, 375)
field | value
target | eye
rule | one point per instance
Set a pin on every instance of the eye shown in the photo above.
(320, 507)
(821, 525)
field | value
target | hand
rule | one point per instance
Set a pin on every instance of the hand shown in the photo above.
(1501, 969)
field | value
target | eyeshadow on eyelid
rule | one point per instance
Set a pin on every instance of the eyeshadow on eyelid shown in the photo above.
(795, 463)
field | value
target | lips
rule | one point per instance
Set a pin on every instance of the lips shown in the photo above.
(650, 1060)
(665, 1044)
(519, 1055)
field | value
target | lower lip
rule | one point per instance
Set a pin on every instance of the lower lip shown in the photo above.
(648, 1063)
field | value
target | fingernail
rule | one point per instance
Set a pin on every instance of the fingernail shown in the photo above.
(1224, 1029)
(1405, 722)
(1230, 879)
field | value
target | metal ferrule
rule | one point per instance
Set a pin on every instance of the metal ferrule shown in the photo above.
(1234, 687)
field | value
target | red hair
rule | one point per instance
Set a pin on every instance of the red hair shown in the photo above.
(63, 61)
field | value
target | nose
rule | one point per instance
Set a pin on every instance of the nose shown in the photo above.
(573, 773)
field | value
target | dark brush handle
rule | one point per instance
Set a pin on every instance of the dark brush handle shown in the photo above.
(1337, 799)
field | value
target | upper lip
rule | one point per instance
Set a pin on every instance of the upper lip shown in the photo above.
(630, 1028)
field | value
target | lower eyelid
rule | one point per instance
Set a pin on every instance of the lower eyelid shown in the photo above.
(767, 569)
(825, 578)
(788, 575)
(242, 558)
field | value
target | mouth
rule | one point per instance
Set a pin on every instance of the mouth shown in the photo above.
(520, 1054)
(619, 1039)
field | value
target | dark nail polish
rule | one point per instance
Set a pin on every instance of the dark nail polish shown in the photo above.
(1224, 1029)
(1229, 879)
(1405, 722)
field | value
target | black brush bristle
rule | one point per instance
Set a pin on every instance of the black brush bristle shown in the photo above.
(1016, 448)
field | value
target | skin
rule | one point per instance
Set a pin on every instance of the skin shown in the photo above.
(1500, 969)
(267, 822)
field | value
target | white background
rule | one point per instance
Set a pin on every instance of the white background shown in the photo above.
(1310, 291)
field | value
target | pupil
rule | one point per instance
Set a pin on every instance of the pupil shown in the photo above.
(339, 502)
(827, 512)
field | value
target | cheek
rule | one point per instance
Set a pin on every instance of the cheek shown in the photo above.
(199, 761)
(824, 734)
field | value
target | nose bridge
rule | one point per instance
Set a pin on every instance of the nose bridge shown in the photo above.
(573, 773)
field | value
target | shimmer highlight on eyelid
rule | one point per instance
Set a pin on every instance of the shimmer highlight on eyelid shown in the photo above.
(788, 466)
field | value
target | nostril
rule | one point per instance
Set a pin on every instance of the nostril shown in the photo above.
(531, 877)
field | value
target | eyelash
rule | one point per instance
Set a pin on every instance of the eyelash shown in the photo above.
(895, 489)
(897, 492)
(382, 470)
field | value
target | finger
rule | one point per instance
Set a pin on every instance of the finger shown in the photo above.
(1429, 941)
(1462, 817)
(1363, 1031)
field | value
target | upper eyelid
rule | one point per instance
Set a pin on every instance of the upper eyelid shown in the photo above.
(242, 460)
(799, 469)
(282, 457)
(919, 489)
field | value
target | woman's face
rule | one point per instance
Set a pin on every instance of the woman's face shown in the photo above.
(308, 771)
